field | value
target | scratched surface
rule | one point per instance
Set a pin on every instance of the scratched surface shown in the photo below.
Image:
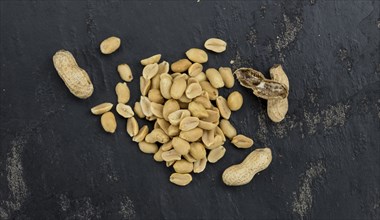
(57, 163)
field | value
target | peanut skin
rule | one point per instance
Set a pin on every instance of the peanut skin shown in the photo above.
(243, 173)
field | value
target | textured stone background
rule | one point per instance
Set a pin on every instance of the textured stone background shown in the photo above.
(57, 163)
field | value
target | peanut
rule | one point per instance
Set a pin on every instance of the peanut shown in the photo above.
(180, 66)
(181, 145)
(216, 45)
(108, 122)
(180, 179)
(124, 110)
(171, 155)
(176, 117)
(140, 136)
(201, 77)
(148, 148)
(165, 85)
(208, 137)
(163, 124)
(191, 135)
(243, 173)
(225, 112)
(158, 155)
(200, 165)
(155, 82)
(241, 141)
(125, 72)
(167, 146)
(227, 128)
(183, 166)
(195, 69)
(178, 87)
(197, 150)
(150, 71)
(235, 101)
(277, 109)
(216, 154)
(150, 60)
(197, 110)
(205, 125)
(163, 67)
(156, 109)
(132, 127)
(122, 92)
(110, 45)
(173, 130)
(75, 78)
(101, 108)
(193, 90)
(197, 55)
(154, 95)
(145, 85)
(188, 123)
(189, 158)
(137, 109)
(157, 135)
(204, 100)
(227, 76)
(214, 77)
(145, 106)
(212, 92)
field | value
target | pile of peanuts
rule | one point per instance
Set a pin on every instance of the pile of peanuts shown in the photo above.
(191, 119)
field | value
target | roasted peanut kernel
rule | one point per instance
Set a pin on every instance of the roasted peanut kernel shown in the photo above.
(163, 67)
(235, 101)
(124, 110)
(201, 77)
(197, 55)
(150, 60)
(181, 145)
(157, 135)
(122, 92)
(154, 95)
(176, 117)
(227, 76)
(156, 109)
(141, 134)
(200, 165)
(180, 66)
(150, 71)
(225, 112)
(158, 155)
(195, 69)
(180, 179)
(183, 166)
(191, 135)
(171, 155)
(227, 128)
(241, 141)
(145, 85)
(216, 154)
(137, 109)
(165, 85)
(215, 44)
(173, 130)
(101, 108)
(132, 127)
(110, 45)
(145, 106)
(178, 87)
(197, 150)
(148, 148)
(108, 122)
(197, 110)
(214, 77)
(188, 123)
(125, 72)
(212, 92)
(193, 90)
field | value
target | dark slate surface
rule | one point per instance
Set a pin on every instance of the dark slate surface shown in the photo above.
(57, 163)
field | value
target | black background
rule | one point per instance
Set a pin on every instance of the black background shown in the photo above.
(56, 162)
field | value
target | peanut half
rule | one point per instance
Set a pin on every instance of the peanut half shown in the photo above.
(197, 55)
(241, 141)
(277, 109)
(216, 45)
(180, 179)
(235, 101)
(124, 110)
(132, 127)
(227, 76)
(216, 154)
(181, 66)
(243, 173)
(125, 72)
(101, 108)
(108, 122)
(122, 92)
(75, 78)
(110, 45)
(214, 77)
(150, 60)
